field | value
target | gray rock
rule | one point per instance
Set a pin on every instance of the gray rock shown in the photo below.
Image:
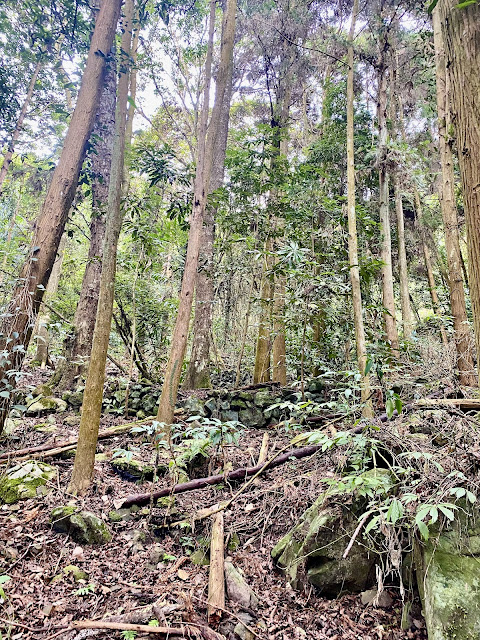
(229, 416)
(241, 630)
(211, 405)
(120, 515)
(73, 398)
(313, 550)
(25, 480)
(84, 527)
(195, 406)
(251, 417)
(264, 399)
(448, 577)
(237, 588)
(43, 406)
(382, 600)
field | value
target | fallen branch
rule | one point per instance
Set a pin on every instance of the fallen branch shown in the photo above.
(184, 631)
(466, 404)
(216, 577)
(49, 450)
(237, 474)
(125, 626)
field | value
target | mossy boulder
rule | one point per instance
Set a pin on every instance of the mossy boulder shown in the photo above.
(264, 399)
(312, 552)
(73, 398)
(251, 416)
(194, 406)
(26, 480)
(42, 406)
(136, 470)
(448, 575)
(84, 527)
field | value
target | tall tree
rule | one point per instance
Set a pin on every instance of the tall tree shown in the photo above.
(450, 216)
(17, 323)
(7, 158)
(206, 145)
(93, 394)
(198, 371)
(79, 344)
(383, 182)
(352, 226)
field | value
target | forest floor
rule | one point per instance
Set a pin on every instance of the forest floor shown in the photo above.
(148, 562)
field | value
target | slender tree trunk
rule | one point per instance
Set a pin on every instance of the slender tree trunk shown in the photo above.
(386, 253)
(79, 344)
(17, 324)
(450, 217)
(262, 370)
(206, 146)
(93, 395)
(43, 318)
(428, 264)
(198, 371)
(7, 158)
(402, 262)
(352, 228)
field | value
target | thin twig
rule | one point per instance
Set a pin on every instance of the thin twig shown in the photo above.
(355, 534)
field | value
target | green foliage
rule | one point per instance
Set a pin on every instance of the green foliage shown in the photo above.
(4, 579)
(86, 590)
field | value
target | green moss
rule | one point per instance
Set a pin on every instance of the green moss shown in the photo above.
(24, 480)
(84, 527)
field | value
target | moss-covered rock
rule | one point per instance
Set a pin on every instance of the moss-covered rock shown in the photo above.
(25, 480)
(194, 406)
(448, 575)
(83, 526)
(42, 406)
(252, 416)
(136, 469)
(313, 550)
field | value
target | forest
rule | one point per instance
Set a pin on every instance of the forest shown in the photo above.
(240, 319)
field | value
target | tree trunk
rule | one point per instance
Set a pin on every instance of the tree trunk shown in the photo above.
(93, 395)
(78, 346)
(7, 159)
(17, 324)
(206, 146)
(428, 264)
(43, 317)
(262, 370)
(352, 228)
(450, 217)
(402, 261)
(386, 253)
(198, 372)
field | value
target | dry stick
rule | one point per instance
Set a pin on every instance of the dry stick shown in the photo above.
(22, 626)
(355, 534)
(125, 626)
(263, 449)
(216, 577)
(51, 450)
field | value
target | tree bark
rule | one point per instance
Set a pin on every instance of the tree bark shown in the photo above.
(43, 318)
(198, 371)
(450, 216)
(402, 261)
(386, 253)
(7, 159)
(93, 395)
(79, 344)
(17, 324)
(262, 369)
(352, 228)
(206, 147)
(428, 264)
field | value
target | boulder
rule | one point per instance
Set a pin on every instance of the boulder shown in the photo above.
(264, 399)
(26, 480)
(195, 406)
(312, 552)
(251, 417)
(42, 406)
(134, 470)
(211, 405)
(73, 398)
(448, 576)
(84, 527)
(237, 588)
